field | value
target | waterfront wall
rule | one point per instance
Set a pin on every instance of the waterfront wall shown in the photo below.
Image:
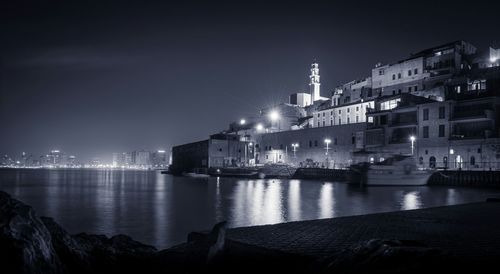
(277, 147)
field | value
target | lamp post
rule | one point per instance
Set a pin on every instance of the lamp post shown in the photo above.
(274, 116)
(412, 139)
(259, 127)
(327, 142)
(295, 146)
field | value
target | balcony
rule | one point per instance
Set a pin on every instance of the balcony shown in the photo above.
(473, 113)
(403, 124)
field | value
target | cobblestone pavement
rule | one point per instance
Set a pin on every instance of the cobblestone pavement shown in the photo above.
(462, 230)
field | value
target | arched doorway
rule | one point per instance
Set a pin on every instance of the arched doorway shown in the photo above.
(432, 162)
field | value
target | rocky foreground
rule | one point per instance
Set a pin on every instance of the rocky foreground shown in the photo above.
(32, 244)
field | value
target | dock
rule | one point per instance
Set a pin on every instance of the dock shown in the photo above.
(468, 233)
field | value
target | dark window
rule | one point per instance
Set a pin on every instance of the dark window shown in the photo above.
(426, 132)
(281, 146)
(394, 77)
(479, 150)
(399, 75)
(409, 72)
(441, 112)
(383, 119)
(441, 130)
(323, 123)
(340, 121)
(315, 143)
(310, 143)
(335, 141)
(399, 91)
(353, 139)
(220, 149)
(394, 92)
(421, 160)
(318, 124)
(445, 161)
(415, 71)
(426, 114)
(472, 160)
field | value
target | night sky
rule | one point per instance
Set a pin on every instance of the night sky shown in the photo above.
(91, 78)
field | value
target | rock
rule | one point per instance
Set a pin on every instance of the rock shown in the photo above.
(384, 256)
(25, 243)
(29, 244)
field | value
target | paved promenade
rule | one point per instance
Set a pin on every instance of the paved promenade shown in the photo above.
(470, 231)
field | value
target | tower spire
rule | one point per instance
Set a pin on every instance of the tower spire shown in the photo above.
(314, 84)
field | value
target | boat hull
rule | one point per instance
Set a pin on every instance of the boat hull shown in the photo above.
(384, 178)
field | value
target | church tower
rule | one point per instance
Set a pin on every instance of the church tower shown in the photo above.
(314, 84)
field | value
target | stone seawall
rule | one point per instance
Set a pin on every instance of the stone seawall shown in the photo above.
(470, 178)
(466, 178)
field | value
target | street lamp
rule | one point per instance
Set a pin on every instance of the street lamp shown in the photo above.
(274, 116)
(295, 146)
(259, 127)
(327, 142)
(412, 139)
(243, 121)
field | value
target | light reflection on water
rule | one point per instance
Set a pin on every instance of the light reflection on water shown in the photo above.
(161, 209)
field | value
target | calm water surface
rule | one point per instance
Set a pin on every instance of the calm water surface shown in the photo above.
(160, 209)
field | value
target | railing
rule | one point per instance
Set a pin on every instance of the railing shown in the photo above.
(454, 165)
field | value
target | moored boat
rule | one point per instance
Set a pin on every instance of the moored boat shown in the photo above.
(398, 170)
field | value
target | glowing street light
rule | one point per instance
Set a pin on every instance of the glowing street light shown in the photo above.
(412, 139)
(295, 146)
(327, 142)
(243, 121)
(274, 115)
(259, 127)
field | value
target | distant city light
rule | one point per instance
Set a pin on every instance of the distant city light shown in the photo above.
(452, 151)
(274, 115)
(243, 121)
(328, 141)
(412, 138)
(161, 151)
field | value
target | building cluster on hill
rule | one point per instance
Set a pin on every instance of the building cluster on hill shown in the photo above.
(441, 105)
